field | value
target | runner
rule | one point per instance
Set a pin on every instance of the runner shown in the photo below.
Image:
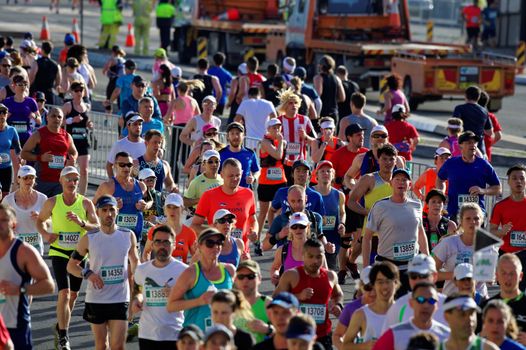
(146, 112)
(211, 82)
(402, 134)
(207, 180)
(427, 180)
(23, 273)
(154, 202)
(317, 289)
(45, 74)
(158, 329)
(455, 127)
(329, 87)
(139, 90)
(463, 278)
(233, 248)
(55, 150)
(112, 256)
(358, 101)
(197, 284)
(154, 140)
(301, 333)
(500, 326)
(193, 130)
(224, 76)
(325, 146)
(435, 224)
(9, 151)
(71, 216)
(190, 338)
(27, 204)
(254, 112)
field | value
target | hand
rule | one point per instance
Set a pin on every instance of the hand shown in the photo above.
(71, 216)
(89, 124)
(283, 233)
(95, 279)
(34, 215)
(306, 294)
(302, 134)
(257, 326)
(341, 229)
(119, 202)
(46, 157)
(175, 189)
(245, 256)
(106, 103)
(279, 137)
(521, 338)
(9, 288)
(275, 278)
(330, 248)
(475, 190)
(249, 179)
(253, 236)
(335, 310)
(507, 227)
(140, 205)
(152, 219)
(206, 297)
(137, 305)
(70, 161)
(78, 118)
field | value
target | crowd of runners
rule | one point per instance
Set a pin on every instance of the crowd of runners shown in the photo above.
(305, 176)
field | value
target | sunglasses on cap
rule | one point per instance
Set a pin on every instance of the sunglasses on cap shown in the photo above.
(225, 220)
(422, 300)
(250, 276)
(417, 276)
(298, 226)
(211, 243)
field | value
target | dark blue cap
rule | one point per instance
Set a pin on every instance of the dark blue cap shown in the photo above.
(402, 171)
(69, 39)
(300, 329)
(301, 162)
(300, 72)
(106, 200)
(285, 300)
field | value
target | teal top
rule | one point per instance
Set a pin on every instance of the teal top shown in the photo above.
(201, 316)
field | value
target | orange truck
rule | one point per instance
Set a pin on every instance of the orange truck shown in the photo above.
(370, 37)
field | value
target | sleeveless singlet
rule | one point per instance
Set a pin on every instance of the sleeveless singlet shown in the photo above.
(163, 105)
(255, 79)
(476, 344)
(129, 217)
(272, 171)
(201, 315)
(58, 145)
(329, 98)
(199, 95)
(373, 322)
(8, 92)
(45, 77)
(184, 116)
(290, 262)
(453, 145)
(303, 110)
(369, 163)
(381, 190)
(69, 232)
(397, 97)
(232, 257)
(108, 257)
(158, 169)
(79, 131)
(197, 134)
(331, 219)
(14, 308)
(434, 235)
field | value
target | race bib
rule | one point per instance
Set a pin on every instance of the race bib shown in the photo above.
(208, 323)
(404, 251)
(274, 174)
(78, 133)
(57, 162)
(5, 158)
(237, 233)
(32, 238)
(317, 311)
(20, 128)
(127, 220)
(467, 198)
(156, 296)
(293, 149)
(518, 239)
(68, 240)
(112, 274)
(329, 223)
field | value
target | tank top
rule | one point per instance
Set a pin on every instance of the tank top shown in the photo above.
(201, 315)
(329, 97)
(303, 110)
(453, 145)
(14, 308)
(129, 217)
(434, 234)
(58, 145)
(200, 122)
(317, 305)
(78, 131)
(290, 262)
(108, 257)
(397, 97)
(46, 75)
(255, 79)
(183, 116)
(272, 171)
(163, 104)
(381, 190)
(199, 95)
(259, 311)
(331, 219)
(369, 163)
(476, 344)
(373, 321)
(158, 169)
(233, 256)
(117, 69)
(8, 92)
(68, 232)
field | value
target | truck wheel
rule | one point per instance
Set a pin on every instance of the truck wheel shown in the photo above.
(495, 104)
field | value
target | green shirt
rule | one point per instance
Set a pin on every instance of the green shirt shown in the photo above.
(200, 184)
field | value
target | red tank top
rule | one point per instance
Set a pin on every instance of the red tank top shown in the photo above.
(255, 79)
(272, 172)
(58, 145)
(317, 305)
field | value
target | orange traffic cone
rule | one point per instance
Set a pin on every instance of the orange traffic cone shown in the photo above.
(75, 31)
(130, 38)
(44, 33)
(229, 15)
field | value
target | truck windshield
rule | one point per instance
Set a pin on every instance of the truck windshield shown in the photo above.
(353, 7)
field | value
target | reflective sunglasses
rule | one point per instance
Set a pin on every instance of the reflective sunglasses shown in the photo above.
(225, 220)
(212, 162)
(298, 226)
(422, 300)
(249, 276)
(210, 243)
(125, 165)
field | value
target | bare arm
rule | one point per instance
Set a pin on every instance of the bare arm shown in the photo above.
(197, 224)
(176, 301)
(29, 147)
(318, 84)
(353, 171)
(43, 216)
(317, 150)
(133, 253)
(115, 94)
(422, 240)
(33, 72)
(169, 183)
(285, 282)
(274, 152)
(341, 91)
(93, 220)
(440, 184)
(146, 253)
(187, 131)
(344, 123)
(366, 247)
(217, 88)
(442, 275)
(360, 189)
(41, 280)
(356, 327)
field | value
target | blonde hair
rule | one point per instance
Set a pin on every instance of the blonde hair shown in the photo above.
(469, 206)
(456, 122)
(286, 96)
(185, 85)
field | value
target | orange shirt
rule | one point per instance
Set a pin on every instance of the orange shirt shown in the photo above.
(183, 241)
(472, 14)
(241, 203)
(507, 210)
(427, 181)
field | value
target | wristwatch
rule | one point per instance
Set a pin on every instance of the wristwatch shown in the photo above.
(23, 290)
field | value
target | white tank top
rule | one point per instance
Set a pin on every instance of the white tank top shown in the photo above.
(373, 322)
(108, 257)
(199, 123)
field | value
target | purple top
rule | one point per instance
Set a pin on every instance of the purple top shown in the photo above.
(348, 311)
(20, 116)
(397, 98)
(289, 262)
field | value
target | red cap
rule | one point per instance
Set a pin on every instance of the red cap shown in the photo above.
(324, 163)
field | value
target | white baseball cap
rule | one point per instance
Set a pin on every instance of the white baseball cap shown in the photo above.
(177, 72)
(398, 108)
(442, 150)
(242, 68)
(146, 173)
(328, 124)
(379, 128)
(364, 275)
(221, 213)
(422, 264)
(26, 170)
(272, 122)
(299, 218)
(211, 153)
(174, 199)
(464, 303)
(464, 270)
(69, 170)
(210, 98)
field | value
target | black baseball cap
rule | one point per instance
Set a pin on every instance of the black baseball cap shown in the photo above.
(300, 72)
(468, 135)
(353, 128)
(301, 162)
(39, 95)
(235, 125)
(138, 80)
(435, 193)
(130, 64)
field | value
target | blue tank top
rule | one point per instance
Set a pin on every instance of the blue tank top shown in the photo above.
(331, 219)
(129, 217)
(158, 169)
(369, 164)
(201, 316)
(233, 256)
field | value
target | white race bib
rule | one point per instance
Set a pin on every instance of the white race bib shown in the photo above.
(317, 311)
(32, 238)
(467, 198)
(293, 149)
(112, 274)
(274, 174)
(68, 240)
(57, 162)
(208, 323)
(20, 128)
(5, 158)
(329, 223)
(518, 239)
(156, 296)
(404, 251)
(237, 233)
(127, 220)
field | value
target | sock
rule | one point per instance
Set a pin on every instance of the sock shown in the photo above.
(62, 333)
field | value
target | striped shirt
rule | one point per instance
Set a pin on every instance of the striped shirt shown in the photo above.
(397, 337)
(296, 148)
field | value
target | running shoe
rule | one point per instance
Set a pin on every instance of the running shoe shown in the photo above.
(63, 344)
(133, 331)
(353, 269)
(341, 277)
(257, 249)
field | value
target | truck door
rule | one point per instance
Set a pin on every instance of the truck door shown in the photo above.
(297, 23)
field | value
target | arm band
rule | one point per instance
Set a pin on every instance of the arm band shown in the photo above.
(76, 255)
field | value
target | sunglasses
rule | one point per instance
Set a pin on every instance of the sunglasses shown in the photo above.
(368, 288)
(3, 112)
(249, 276)
(417, 276)
(28, 177)
(210, 243)
(140, 85)
(41, 101)
(21, 84)
(379, 136)
(78, 90)
(298, 226)
(72, 179)
(422, 300)
(225, 220)
(125, 165)
(211, 134)
(212, 162)
(164, 242)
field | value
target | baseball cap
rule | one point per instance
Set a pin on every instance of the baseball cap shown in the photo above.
(28, 35)
(301, 162)
(39, 95)
(160, 53)
(174, 199)
(69, 170)
(207, 127)
(324, 163)
(132, 117)
(210, 98)
(402, 171)
(242, 68)
(28, 44)
(235, 125)
(379, 128)
(221, 213)
(442, 150)
(191, 331)
(300, 72)
(353, 128)
(138, 80)
(272, 122)
(176, 72)
(300, 329)
(422, 264)
(249, 265)
(364, 276)
(211, 153)
(69, 39)
(3, 108)
(130, 64)
(468, 135)
(398, 108)
(463, 302)
(146, 173)
(299, 218)
(106, 200)
(209, 232)
(328, 124)
(26, 170)
(218, 328)
(464, 270)
(285, 300)
(434, 192)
